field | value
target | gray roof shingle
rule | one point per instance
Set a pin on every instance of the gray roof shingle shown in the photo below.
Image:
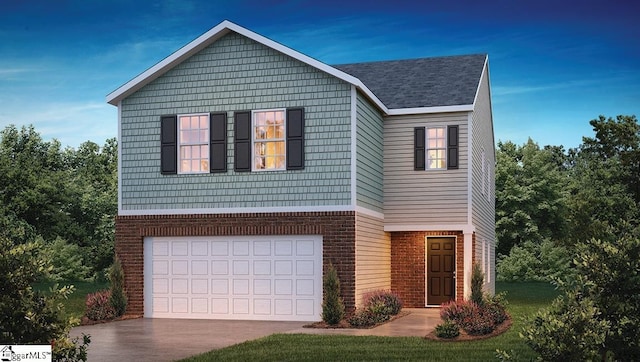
(424, 82)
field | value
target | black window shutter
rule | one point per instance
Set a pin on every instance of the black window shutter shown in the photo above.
(295, 139)
(452, 147)
(169, 145)
(418, 148)
(218, 142)
(242, 140)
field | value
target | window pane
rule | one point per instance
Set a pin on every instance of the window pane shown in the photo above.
(204, 122)
(260, 133)
(204, 165)
(184, 166)
(204, 151)
(259, 162)
(195, 165)
(259, 119)
(203, 136)
(184, 122)
(195, 151)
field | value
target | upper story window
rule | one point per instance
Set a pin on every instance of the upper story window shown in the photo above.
(269, 140)
(436, 148)
(193, 143)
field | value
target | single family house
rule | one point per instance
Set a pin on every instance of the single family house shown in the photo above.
(245, 168)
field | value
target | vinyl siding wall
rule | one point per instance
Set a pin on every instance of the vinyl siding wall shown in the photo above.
(236, 73)
(428, 196)
(483, 203)
(373, 256)
(369, 145)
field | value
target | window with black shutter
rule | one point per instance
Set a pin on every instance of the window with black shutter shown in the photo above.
(419, 148)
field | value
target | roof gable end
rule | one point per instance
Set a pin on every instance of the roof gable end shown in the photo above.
(210, 37)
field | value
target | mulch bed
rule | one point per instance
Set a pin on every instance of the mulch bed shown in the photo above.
(503, 327)
(344, 324)
(84, 321)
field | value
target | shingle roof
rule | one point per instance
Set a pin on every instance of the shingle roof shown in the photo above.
(425, 82)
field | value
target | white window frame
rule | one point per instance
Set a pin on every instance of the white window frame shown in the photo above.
(443, 149)
(254, 141)
(206, 142)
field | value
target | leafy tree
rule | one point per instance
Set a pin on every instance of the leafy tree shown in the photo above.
(530, 194)
(28, 316)
(66, 261)
(118, 298)
(598, 315)
(605, 175)
(535, 260)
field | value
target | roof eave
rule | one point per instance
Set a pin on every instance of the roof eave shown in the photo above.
(211, 36)
(428, 110)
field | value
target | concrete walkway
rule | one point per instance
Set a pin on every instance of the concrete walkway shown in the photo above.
(171, 339)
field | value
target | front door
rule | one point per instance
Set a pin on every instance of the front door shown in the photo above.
(441, 267)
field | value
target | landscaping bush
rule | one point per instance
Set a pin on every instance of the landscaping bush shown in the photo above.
(477, 284)
(332, 305)
(116, 277)
(473, 318)
(366, 318)
(378, 307)
(99, 307)
(383, 302)
(447, 330)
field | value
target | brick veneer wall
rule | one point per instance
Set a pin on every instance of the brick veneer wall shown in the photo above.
(337, 230)
(408, 265)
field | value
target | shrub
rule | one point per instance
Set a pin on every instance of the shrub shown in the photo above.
(383, 302)
(116, 277)
(99, 307)
(332, 305)
(534, 261)
(447, 330)
(496, 308)
(366, 318)
(477, 284)
(473, 318)
(28, 316)
(67, 261)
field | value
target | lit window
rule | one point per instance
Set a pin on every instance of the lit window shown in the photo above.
(436, 148)
(268, 140)
(194, 143)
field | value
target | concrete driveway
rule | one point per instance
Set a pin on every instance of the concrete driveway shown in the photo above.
(146, 339)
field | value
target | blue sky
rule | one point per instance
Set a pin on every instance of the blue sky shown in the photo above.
(553, 66)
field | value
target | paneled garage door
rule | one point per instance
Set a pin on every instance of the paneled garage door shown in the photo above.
(257, 278)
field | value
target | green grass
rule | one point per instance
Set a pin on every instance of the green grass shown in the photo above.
(524, 299)
(75, 304)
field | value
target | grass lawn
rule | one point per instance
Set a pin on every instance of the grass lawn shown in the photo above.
(75, 304)
(524, 299)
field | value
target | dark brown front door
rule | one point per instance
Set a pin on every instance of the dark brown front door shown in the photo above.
(441, 266)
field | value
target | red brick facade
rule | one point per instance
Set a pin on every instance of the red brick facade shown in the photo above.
(337, 230)
(408, 265)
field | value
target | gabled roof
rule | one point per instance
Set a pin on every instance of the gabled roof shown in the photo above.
(419, 83)
(425, 85)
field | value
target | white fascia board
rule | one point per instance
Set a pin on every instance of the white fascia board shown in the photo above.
(236, 210)
(482, 75)
(354, 145)
(427, 110)
(465, 228)
(211, 36)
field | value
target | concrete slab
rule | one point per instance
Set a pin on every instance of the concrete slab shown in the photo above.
(147, 339)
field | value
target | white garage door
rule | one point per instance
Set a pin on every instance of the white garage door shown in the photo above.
(257, 278)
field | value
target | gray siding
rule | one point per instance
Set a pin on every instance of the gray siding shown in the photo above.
(236, 73)
(373, 256)
(423, 197)
(369, 146)
(483, 201)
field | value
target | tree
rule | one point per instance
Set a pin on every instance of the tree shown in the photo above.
(598, 315)
(530, 194)
(605, 178)
(332, 305)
